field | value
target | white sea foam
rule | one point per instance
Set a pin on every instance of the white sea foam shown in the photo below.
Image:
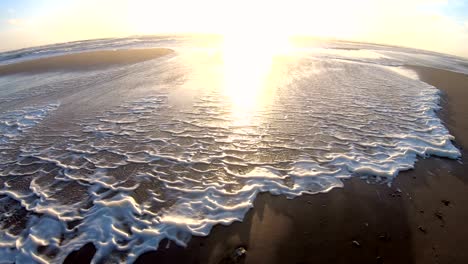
(168, 165)
(14, 123)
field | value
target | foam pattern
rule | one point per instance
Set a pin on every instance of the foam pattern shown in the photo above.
(152, 168)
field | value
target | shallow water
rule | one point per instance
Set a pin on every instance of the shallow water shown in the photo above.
(167, 148)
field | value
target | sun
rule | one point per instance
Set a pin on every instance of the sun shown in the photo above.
(247, 62)
(250, 45)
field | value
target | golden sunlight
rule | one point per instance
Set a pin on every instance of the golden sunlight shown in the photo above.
(249, 49)
(247, 65)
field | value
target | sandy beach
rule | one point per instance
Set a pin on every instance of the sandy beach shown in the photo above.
(421, 218)
(90, 60)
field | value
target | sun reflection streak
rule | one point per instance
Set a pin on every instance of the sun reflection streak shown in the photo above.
(247, 68)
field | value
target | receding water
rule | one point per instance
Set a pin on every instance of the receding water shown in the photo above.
(168, 148)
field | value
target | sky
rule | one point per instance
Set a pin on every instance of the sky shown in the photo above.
(438, 25)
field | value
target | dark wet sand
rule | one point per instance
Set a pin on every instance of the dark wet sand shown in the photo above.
(90, 60)
(421, 218)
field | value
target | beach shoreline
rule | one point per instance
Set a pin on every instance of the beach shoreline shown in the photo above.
(419, 219)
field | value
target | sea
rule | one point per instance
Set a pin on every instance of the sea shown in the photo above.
(128, 155)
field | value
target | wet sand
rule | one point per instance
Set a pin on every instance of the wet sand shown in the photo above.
(90, 60)
(421, 218)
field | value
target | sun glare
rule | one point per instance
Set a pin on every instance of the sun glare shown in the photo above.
(250, 47)
(247, 65)
(253, 36)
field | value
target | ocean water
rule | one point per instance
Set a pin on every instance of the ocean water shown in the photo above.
(127, 156)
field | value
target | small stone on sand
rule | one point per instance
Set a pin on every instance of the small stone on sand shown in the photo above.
(422, 229)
